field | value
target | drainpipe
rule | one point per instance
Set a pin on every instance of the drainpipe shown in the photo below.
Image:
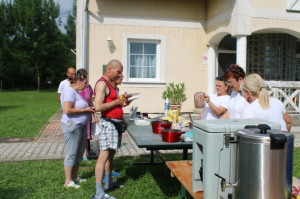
(211, 82)
(85, 35)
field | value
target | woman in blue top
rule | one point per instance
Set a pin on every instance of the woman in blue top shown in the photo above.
(76, 113)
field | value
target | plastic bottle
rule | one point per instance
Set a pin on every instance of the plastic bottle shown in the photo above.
(167, 105)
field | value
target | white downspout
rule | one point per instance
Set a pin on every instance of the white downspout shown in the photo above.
(85, 36)
(211, 83)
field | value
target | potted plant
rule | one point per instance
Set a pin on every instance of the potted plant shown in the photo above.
(176, 95)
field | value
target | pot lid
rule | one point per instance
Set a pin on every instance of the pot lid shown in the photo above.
(255, 134)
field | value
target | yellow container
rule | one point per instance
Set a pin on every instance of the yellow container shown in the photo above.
(173, 116)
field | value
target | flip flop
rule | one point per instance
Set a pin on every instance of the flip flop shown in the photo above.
(116, 174)
(105, 196)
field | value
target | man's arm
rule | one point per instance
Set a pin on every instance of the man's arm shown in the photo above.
(101, 90)
(58, 97)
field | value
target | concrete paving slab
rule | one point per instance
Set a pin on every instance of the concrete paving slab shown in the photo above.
(49, 144)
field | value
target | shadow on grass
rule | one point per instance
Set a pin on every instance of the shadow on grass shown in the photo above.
(16, 192)
(160, 173)
(4, 108)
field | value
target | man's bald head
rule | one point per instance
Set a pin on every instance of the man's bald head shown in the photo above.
(114, 70)
(71, 72)
(114, 63)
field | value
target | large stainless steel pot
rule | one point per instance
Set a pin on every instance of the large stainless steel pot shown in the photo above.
(264, 164)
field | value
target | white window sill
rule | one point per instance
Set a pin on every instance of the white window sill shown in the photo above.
(143, 84)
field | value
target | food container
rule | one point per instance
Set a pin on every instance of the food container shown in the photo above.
(171, 135)
(264, 163)
(173, 116)
(158, 125)
(199, 101)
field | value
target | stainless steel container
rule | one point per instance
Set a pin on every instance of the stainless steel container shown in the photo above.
(214, 153)
(264, 164)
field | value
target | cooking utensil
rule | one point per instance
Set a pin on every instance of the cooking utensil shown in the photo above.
(190, 117)
(157, 126)
(171, 135)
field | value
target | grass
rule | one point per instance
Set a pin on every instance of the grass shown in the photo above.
(24, 113)
(44, 179)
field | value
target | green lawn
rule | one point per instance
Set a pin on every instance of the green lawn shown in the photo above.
(45, 179)
(24, 113)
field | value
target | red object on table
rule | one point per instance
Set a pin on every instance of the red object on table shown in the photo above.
(158, 126)
(171, 135)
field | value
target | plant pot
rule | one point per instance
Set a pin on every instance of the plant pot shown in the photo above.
(175, 107)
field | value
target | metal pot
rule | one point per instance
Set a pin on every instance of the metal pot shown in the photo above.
(264, 164)
(171, 135)
(158, 125)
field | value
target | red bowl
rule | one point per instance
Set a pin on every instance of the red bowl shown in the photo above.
(171, 135)
(157, 126)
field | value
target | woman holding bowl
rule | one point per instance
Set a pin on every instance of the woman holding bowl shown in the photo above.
(216, 104)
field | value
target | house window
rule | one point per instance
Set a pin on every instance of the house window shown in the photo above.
(143, 60)
(144, 56)
(273, 56)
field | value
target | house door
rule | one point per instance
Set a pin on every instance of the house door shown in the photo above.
(226, 54)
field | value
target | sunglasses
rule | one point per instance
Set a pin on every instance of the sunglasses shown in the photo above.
(234, 70)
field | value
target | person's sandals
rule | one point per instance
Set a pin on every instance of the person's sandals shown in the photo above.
(113, 174)
(84, 159)
(105, 196)
(116, 174)
(73, 185)
(79, 179)
(114, 186)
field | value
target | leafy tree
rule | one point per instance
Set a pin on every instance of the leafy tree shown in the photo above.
(38, 32)
(33, 51)
(70, 36)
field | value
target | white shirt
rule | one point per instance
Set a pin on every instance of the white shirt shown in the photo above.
(274, 113)
(62, 85)
(236, 105)
(208, 114)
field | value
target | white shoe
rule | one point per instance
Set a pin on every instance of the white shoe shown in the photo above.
(72, 184)
(79, 179)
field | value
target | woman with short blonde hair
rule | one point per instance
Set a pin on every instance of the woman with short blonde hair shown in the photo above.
(261, 105)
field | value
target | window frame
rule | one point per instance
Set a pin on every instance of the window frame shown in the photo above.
(160, 41)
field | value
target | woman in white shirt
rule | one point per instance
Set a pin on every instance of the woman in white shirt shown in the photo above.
(261, 105)
(234, 76)
(217, 103)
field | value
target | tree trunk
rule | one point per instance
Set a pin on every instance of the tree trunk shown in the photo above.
(38, 77)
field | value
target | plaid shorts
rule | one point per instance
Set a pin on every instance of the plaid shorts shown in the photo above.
(109, 137)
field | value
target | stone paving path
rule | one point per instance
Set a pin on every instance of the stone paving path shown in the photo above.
(49, 144)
